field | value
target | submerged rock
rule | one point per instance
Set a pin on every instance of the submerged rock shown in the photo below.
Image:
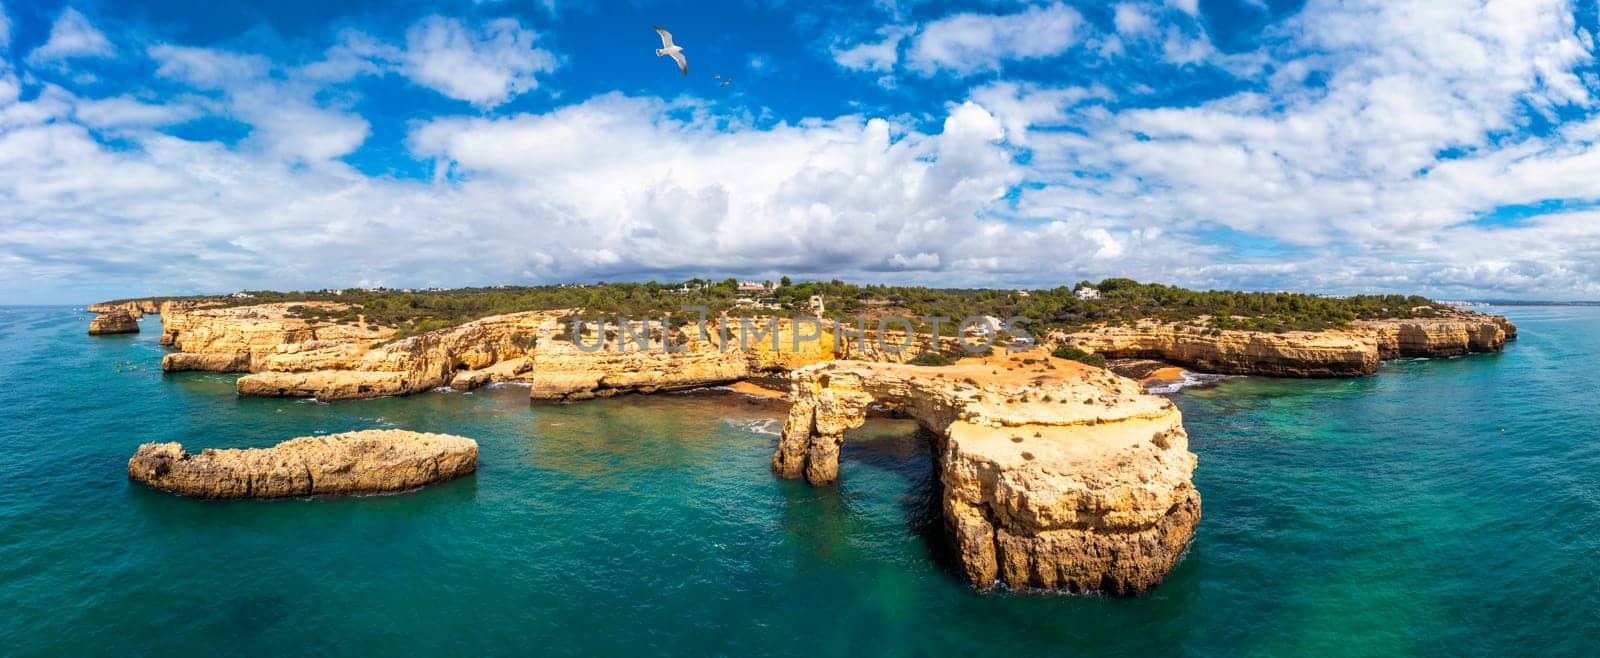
(1053, 474)
(114, 321)
(365, 462)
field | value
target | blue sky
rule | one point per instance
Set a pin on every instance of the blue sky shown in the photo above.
(1443, 147)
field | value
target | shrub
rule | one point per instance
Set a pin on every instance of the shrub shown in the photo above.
(1081, 356)
(930, 359)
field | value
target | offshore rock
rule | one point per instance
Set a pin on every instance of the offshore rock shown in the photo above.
(114, 321)
(365, 462)
(1053, 474)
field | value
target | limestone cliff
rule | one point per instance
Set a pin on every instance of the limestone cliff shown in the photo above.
(1333, 353)
(366, 462)
(534, 347)
(237, 339)
(137, 308)
(113, 321)
(1436, 337)
(1054, 474)
(349, 369)
(616, 362)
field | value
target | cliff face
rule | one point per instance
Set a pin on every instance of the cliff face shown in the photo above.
(1332, 353)
(366, 462)
(1054, 475)
(113, 321)
(532, 347)
(137, 308)
(1436, 337)
(237, 339)
(348, 369)
(1290, 354)
(562, 370)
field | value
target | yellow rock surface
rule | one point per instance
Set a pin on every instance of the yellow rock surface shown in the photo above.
(365, 462)
(1054, 474)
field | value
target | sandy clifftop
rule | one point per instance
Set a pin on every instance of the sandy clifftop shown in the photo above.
(1054, 474)
(366, 462)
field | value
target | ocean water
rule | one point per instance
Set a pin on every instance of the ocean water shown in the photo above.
(1444, 507)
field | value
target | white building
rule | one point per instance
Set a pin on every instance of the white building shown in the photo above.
(1086, 293)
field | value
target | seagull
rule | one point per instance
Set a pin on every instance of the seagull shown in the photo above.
(669, 50)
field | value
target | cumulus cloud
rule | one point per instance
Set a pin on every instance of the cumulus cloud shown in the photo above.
(71, 36)
(485, 66)
(287, 119)
(967, 43)
(880, 55)
(1377, 152)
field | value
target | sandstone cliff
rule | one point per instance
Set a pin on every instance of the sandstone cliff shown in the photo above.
(137, 308)
(533, 347)
(114, 321)
(1333, 353)
(349, 369)
(237, 339)
(1054, 474)
(617, 363)
(366, 462)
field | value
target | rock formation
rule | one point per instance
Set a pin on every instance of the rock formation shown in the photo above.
(137, 308)
(1053, 474)
(1438, 337)
(350, 369)
(287, 357)
(365, 462)
(114, 321)
(616, 362)
(237, 339)
(1333, 353)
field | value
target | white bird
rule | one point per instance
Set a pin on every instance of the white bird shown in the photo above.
(667, 49)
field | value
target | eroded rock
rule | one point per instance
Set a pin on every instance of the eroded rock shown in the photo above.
(114, 321)
(1054, 474)
(365, 462)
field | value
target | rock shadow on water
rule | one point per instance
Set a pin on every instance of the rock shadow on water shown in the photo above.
(820, 520)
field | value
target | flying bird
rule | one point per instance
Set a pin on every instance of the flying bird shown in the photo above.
(667, 49)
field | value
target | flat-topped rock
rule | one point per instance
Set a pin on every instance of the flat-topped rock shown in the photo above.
(1351, 352)
(1054, 474)
(114, 321)
(364, 462)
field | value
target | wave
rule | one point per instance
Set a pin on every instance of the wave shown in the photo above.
(758, 425)
(1188, 380)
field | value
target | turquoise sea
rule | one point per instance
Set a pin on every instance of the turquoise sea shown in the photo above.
(1445, 507)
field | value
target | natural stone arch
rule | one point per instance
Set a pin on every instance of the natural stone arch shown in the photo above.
(1054, 474)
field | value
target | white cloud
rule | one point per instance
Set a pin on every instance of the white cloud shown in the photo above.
(125, 112)
(1021, 183)
(486, 66)
(879, 55)
(968, 43)
(71, 37)
(1131, 20)
(287, 119)
(205, 68)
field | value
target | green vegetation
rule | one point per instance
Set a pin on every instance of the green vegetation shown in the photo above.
(930, 359)
(1121, 301)
(1081, 356)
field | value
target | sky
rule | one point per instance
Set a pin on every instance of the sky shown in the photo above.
(1441, 147)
